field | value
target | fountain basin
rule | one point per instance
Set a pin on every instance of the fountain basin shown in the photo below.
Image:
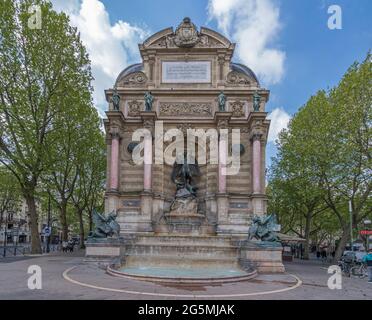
(184, 275)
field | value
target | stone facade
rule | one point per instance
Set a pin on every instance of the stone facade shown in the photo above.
(142, 193)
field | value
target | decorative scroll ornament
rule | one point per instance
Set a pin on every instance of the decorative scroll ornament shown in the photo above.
(134, 108)
(185, 109)
(134, 79)
(237, 79)
(186, 34)
(237, 109)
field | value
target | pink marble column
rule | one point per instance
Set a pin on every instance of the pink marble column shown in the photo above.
(222, 165)
(256, 163)
(147, 163)
(114, 168)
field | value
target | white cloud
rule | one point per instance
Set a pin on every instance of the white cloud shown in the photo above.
(111, 47)
(254, 25)
(279, 121)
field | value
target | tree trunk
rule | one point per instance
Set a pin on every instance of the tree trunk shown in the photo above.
(81, 227)
(63, 218)
(90, 220)
(34, 225)
(342, 244)
(307, 235)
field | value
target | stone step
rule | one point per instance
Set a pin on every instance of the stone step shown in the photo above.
(179, 250)
(170, 260)
(185, 240)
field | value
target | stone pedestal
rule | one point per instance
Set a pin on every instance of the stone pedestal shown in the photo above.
(104, 251)
(265, 257)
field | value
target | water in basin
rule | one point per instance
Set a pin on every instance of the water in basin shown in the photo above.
(182, 272)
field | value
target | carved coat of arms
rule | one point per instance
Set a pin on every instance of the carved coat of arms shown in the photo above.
(186, 34)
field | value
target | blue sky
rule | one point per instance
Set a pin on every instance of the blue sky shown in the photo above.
(286, 42)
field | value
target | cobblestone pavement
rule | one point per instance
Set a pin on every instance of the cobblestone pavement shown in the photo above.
(314, 276)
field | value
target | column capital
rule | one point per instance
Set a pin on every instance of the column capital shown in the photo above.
(257, 135)
(115, 133)
(222, 119)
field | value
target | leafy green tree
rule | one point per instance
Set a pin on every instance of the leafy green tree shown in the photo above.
(41, 72)
(10, 195)
(327, 146)
(89, 188)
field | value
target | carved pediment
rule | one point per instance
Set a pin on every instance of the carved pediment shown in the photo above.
(187, 36)
(133, 79)
(169, 42)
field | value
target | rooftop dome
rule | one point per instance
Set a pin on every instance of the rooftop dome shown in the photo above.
(137, 67)
(241, 68)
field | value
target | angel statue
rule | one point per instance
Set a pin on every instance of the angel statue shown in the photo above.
(183, 175)
(105, 226)
(264, 228)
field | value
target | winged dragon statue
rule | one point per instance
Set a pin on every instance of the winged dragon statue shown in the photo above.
(264, 228)
(105, 226)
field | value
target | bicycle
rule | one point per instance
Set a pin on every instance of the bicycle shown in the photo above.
(359, 270)
(345, 267)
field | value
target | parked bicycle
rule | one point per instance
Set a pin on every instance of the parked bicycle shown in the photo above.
(345, 267)
(359, 270)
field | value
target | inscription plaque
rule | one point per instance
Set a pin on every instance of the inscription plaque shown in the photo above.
(186, 72)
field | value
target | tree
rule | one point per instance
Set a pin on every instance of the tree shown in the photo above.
(294, 194)
(74, 170)
(41, 70)
(10, 196)
(328, 145)
(90, 181)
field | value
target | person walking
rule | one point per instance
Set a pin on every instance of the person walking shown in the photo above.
(324, 255)
(368, 260)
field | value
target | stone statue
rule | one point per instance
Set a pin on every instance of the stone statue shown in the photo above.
(105, 226)
(183, 175)
(148, 101)
(256, 101)
(115, 100)
(221, 101)
(264, 228)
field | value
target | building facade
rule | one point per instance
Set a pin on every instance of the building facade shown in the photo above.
(193, 83)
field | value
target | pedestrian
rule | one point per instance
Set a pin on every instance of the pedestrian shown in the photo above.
(318, 254)
(368, 260)
(324, 255)
(64, 246)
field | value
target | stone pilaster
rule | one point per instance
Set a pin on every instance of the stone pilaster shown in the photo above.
(222, 121)
(258, 136)
(148, 120)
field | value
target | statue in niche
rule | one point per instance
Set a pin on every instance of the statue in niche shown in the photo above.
(256, 101)
(183, 176)
(149, 99)
(221, 101)
(115, 99)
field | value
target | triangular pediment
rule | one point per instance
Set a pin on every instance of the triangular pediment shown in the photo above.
(186, 35)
